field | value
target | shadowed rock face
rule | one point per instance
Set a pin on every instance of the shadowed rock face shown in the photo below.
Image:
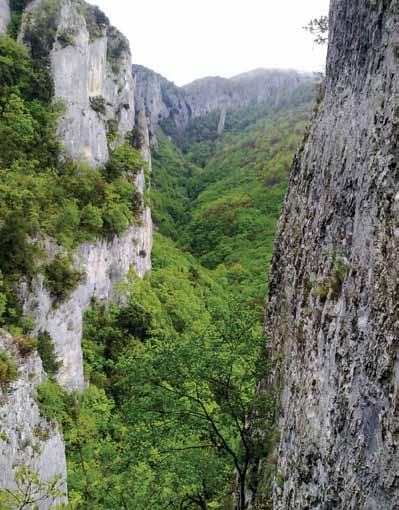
(162, 100)
(333, 312)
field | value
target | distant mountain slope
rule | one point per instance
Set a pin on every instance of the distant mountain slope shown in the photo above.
(175, 108)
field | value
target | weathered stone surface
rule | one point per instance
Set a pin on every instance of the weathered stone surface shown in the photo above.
(270, 86)
(160, 99)
(92, 61)
(5, 15)
(104, 264)
(164, 101)
(87, 64)
(27, 440)
(333, 312)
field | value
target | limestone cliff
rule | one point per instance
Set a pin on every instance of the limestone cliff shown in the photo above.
(27, 439)
(164, 102)
(90, 64)
(332, 316)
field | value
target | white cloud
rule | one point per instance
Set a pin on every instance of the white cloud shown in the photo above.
(189, 39)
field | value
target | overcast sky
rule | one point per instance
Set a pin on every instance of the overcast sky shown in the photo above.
(189, 39)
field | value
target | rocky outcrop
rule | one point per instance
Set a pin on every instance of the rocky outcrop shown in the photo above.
(166, 104)
(26, 439)
(5, 15)
(91, 69)
(333, 316)
(260, 86)
(104, 265)
(160, 99)
(90, 63)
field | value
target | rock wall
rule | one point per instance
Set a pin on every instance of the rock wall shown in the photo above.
(163, 101)
(333, 313)
(160, 99)
(27, 439)
(5, 15)
(91, 69)
(90, 63)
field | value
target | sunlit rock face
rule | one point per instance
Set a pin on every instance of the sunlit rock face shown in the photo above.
(333, 316)
(90, 63)
(91, 69)
(173, 107)
(5, 15)
(28, 440)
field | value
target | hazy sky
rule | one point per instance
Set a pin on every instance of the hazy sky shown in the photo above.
(189, 39)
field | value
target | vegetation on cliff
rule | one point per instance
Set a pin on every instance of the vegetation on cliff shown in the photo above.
(42, 193)
(173, 373)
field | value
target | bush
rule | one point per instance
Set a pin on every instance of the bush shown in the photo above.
(53, 401)
(117, 218)
(45, 348)
(92, 219)
(8, 370)
(124, 160)
(60, 278)
(97, 104)
(66, 39)
(26, 345)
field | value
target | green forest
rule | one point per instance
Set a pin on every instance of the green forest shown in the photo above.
(173, 373)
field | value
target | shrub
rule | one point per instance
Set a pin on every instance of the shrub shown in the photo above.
(124, 160)
(97, 104)
(53, 401)
(92, 219)
(60, 278)
(8, 370)
(66, 39)
(117, 218)
(45, 348)
(26, 345)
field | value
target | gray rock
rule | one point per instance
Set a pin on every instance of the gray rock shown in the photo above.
(333, 311)
(5, 15)
(27, 439)
(87, 63)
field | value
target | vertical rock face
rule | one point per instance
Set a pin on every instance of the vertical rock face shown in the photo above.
(160, 99)
(333, 313)
(91, 69)
(27, 439)
(5, 15)
(259, 86)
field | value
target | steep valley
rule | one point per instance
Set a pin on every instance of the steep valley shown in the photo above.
(122, 352)
(143, 228)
